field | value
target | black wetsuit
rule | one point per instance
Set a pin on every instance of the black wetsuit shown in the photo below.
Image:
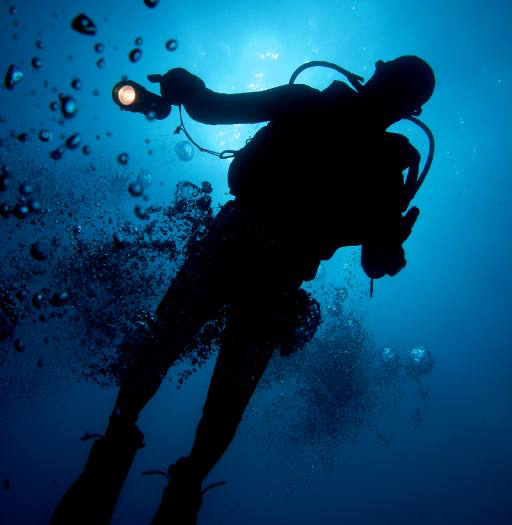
(318, 176)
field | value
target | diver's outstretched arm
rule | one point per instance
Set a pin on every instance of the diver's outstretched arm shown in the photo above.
(178, 86)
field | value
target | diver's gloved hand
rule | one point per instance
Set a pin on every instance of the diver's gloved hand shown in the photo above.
(178, 86)
(380, 260)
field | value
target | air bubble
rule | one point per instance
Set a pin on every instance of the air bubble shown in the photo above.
(135, 188)
(73, 141)
(38, 300)
(77, 84)
(184, 150)
(57, 154)
(84, 25)
(45, 135)
(421, 360)
(139, 41)
(34, 206)
(60, 298)
(5, 210)
(68, 107)
(40, 250)
(171, 45)
(151, 3)
(122, 158)
(99, 47)
(13, 76)
(21, 211)
(37, 63)
(100, 63)
(135, 55)
(26, 188)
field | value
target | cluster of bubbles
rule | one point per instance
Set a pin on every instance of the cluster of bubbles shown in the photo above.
(336, 387)
(24, 205)
(101, 286)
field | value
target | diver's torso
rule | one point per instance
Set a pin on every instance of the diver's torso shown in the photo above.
(310, 177)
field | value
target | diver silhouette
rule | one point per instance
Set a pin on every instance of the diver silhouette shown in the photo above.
(322, 174)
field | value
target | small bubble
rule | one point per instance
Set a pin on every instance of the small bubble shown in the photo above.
(19, 346)
(171, 45)
(68, 107)
(37, 63)
(60, 298)
(38, 300)
(135, 189)
(54, 106)
(118, 240)
(21, 211)
(5, 210)
(13, 76)
(23, 137)
(57, 154)
(73, 141)
(122, 158)
(40, 250)
(45, 135)
(4, 183)
(100, 63)
(140, 213)
(139, 41)
(39, 44)
(151, 3)
(84, 25)
(34, 205)
(13, 10)
(77, 84)
(86, 150)
(99, 47)
(135, 55)
(26, 188)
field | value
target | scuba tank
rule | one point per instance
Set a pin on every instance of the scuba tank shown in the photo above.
(414, 180)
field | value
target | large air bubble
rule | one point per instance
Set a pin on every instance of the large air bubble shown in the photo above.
(184, 150)
(84, 25)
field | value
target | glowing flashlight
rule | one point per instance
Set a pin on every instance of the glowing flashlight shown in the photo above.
(130, 96)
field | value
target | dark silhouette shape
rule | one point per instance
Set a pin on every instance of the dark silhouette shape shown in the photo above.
(322, 174)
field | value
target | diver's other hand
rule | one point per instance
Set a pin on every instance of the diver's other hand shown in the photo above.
(380, 260)
(178, 85)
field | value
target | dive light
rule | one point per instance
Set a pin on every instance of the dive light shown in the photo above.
(130, 96)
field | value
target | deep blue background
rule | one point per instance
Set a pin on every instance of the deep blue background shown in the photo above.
(453, 297)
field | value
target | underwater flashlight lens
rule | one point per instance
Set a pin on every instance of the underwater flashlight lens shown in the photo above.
(126, 95)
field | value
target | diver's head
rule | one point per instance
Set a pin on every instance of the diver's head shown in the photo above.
(400, 87)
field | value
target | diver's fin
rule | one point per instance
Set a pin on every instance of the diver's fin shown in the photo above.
(182, 498)
(92, 498)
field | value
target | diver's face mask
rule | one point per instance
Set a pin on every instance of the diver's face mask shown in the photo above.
(130, 96)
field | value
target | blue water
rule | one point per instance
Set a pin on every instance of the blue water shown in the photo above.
(432, 450)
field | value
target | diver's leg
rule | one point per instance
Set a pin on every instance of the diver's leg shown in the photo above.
(190, 301)
(243, 357)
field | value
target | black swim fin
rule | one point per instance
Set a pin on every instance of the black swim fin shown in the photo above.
(92, 498)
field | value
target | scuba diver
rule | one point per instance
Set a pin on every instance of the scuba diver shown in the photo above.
(322, 174)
